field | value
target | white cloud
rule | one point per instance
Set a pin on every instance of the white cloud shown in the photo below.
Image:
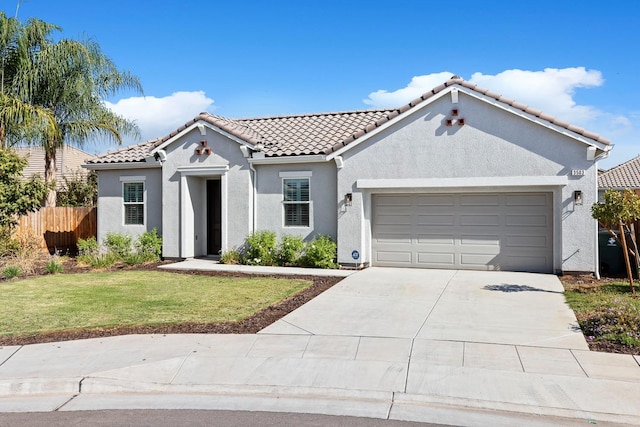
(418, 86)
(159, 116)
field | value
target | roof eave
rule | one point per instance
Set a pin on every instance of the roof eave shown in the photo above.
(121, 165)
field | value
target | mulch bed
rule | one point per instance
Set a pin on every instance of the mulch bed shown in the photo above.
(250, 325)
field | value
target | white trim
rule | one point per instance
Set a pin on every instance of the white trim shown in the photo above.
(507, 181)
(542, 122)
(187, 222)
(315, 158)
(123, 166)
(296, 174)
(133, 178)
(144, 200)
(203, 170)
(388, 124)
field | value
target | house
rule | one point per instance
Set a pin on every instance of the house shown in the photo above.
(459, 178)
(622, 177)
(69, 161)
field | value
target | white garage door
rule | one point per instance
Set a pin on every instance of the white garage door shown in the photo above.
(501, 231)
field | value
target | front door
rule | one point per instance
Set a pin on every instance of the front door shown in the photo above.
(214, 217)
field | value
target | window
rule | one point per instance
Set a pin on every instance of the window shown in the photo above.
(296, 202)
(133, 197)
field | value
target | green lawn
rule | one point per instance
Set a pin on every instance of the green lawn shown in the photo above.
(607, 312)
(90, 300)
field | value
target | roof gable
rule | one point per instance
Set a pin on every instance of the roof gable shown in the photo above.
(332, 133)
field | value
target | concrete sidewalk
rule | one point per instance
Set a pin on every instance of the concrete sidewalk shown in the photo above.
(411, 377)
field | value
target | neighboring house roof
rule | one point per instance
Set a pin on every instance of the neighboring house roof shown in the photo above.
(322, 133)
(626, 175)
(69, 160)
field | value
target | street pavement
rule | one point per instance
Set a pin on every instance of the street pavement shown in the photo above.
(439, 346)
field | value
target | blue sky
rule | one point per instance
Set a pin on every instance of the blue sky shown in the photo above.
(575, 60)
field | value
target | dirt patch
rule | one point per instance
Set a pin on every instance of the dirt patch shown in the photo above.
(250, 325)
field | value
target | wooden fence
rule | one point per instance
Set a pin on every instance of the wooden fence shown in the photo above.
(60, 228)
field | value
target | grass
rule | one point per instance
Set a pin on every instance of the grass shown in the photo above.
(91, 300)
(607, 312)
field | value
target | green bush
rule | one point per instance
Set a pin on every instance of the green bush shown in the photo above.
(321, 252)
(149, 246)
(8, 245)
(230, 257)
(11, 271)
(88, 247)
(54, 266)
(290, 250)
(104, 260)
(260, 248)
(118, 244)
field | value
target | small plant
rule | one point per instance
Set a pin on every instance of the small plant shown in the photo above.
(105, 260)
(230, 257)
(54, 266)
(135, 258)
(320, 253)
(149, 246)
(118, 244)
(290, 250)
(88, 247)
(11, 271)
(260, 248)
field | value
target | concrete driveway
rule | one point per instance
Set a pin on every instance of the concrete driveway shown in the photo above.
(470, 306)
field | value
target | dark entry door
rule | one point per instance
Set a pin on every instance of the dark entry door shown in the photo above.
(214, 217)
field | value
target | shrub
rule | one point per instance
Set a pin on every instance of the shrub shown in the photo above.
(290, 250)
(11, 271)
(54, 266)
(619, 322)
(260, 248)
(149, 246)
(8, 245)
(118, 244)
(320, 253)
(102, 260)
(88, 247)
(230, 257)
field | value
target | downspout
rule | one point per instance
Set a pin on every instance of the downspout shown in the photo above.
(253, 196)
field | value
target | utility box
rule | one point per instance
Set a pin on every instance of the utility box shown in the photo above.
(611, 255)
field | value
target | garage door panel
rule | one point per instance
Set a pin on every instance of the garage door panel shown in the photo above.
(436, 259)
(479, 220)
(434, 220)
(494, 231)
(396, 257)
(479, 200)
(527, 220)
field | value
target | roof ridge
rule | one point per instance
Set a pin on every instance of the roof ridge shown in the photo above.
(615, 168)
(329, 113)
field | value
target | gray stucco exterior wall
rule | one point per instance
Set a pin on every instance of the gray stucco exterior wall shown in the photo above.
(494, 151)
(322, 194)
(110, 201)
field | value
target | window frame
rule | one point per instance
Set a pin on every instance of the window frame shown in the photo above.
(134, 180)
(296, 175)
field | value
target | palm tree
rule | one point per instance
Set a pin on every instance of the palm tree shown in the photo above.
(61, 87)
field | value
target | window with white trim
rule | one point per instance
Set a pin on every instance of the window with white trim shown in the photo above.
(296, 202)
(133, 199)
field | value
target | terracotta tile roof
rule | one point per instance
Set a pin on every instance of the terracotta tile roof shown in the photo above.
(321, 133)
(132, 154)
(626, 175)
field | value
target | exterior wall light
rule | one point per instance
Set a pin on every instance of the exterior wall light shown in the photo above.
(348, 199)
(577, 197)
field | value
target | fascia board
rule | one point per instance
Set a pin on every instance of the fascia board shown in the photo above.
(121, 165)
(516, 111)
(441, 183)
(392, 122)
(315, 158)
